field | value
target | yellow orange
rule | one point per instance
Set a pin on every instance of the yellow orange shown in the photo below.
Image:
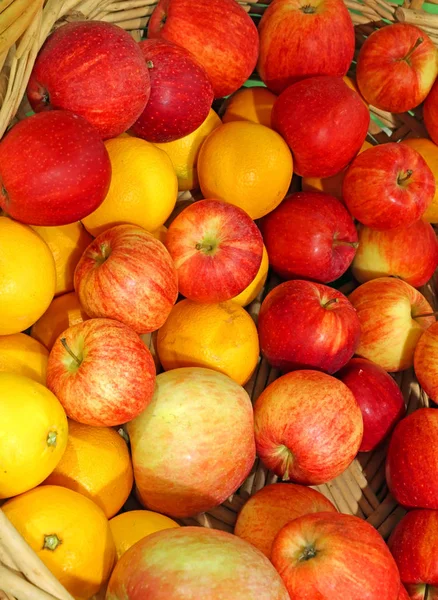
(21, 354)
(429, 151)
(250, 104)
(143, 188)
(245, 164)
(255, 287)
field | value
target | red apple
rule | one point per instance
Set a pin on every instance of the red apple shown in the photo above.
(308, 115)
(54, 169)
(403, 594)
(332, 556)
(430, 113)
(102, 372)
(219, 33)
(396, 67)
(310, 235)
(388, 186)
(412, 460)
(379, 399)
(181, 93)
(308, 427)
(304, 40)
(426, 361)
(383, 253)
(194, 562)
(217, 249)
(307, 325)
(128, 275)
(269, 509)
(391, 314)
(193, 446)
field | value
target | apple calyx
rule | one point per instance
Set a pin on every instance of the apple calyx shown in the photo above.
(150, 64)
(52, 438)
(51, 542)
(403, 177)
(308, 9)
(307, 553)
(70, 351)
(418, 42)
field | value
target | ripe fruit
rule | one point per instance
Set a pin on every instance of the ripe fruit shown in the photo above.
(430, 113)
(429, 151)
(425, 361)
(21, 354)
(251, 292)
(250, 104)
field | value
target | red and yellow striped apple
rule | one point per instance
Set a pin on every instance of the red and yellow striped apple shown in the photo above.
(429, 151)
(426, 361)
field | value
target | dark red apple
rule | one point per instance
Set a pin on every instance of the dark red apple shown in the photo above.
(54, 169)
(310, 235)
(309, 114)
(403, 594)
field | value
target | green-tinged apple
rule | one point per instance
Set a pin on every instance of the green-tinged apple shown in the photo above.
(272, 507)
(426, 361)
(128, 275)
(308, 427)
(102, 372)
(392, 315)
(193, 446)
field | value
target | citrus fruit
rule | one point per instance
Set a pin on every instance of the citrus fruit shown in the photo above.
(96, 463)
(221, 336)
(132, 526)
(27, 276)
(251, 292)
(64, 312)
(184, 152)
(245, 164)
(143, 188)
(67, 243)
(33, 433)
(69, 533)
(429, 151)
(21, 354)
(250, 104)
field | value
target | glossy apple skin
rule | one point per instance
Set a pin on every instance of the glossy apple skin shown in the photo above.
(429, 151)
(386, 308)
(296, 43)
(181, 93)
(272, 507)
(384, 253)
(342, 567)
(163, 566)
(308, 427)
(94, 69)
(378, 396)
(217, 250)
(426, 361)
(388, 186)
(115, 380)
(128, 275)
(385, 79)
(403, 594)
(430, 113)
(219, 33)
(54, 169)
(301, 327)
(194, 444)
(310, 235)
(307, 115)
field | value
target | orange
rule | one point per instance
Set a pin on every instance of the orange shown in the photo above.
(353, 85)
(250, 104)
(97, 464)
(245, 164)
(143, 187)
(255, 287)
(64, 312)
(21, 354)
(67, 244)
(69, 533)
(184, 152)
(132, 526)
(27, 276)
(222, 337)
(429, 151)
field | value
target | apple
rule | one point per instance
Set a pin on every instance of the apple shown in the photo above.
(54, 169)
(388, 186)
(128, 275)
(332, 556)
(392, 319)
(269, 509)
(307, 325)
(403, 594)
(310, 235)
(194, 562)
(181, 93)
(430, 113)
(102, 372)
(194, 445)
(426, 361)
(96, 70)
(219, 33)
(382, 253)
(308, 427)
(429, 151)
(308, 113)
(217, 250)
(300, 40)
(412, 459)
(379, 398)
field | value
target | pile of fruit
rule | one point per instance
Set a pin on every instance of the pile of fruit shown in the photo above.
(126, 329)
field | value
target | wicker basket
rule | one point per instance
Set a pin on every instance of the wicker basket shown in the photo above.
(362, 489)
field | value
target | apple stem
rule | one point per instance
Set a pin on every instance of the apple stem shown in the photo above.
(331, 301)
(150, 64)
(431, 314)
(70, 351)
(402, 178)
(412, 50)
